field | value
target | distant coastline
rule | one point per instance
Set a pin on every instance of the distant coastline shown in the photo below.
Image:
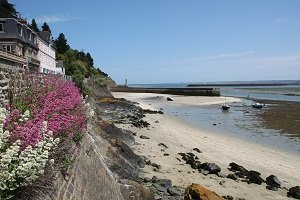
(238, 84)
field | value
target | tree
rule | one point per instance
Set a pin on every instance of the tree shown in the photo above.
(61, 44)
(34, 26)
(90, 60)
(46, 27)
(7, 9)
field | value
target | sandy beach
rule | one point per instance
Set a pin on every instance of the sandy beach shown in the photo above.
(181, 137)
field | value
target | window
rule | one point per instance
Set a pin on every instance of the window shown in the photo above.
(34, 38)
(30, 35)
(20, 30)
(1, 27)
(8, 48)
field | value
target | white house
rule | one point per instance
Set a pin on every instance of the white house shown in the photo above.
(46, 54)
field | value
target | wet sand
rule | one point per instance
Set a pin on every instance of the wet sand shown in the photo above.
(220, 149)
(281, 115)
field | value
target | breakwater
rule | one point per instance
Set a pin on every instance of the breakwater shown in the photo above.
(236, 84)
(174, 91)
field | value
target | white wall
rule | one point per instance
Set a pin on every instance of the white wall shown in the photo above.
(46, 55)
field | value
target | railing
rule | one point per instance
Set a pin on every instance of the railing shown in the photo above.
(12, 57)
(34, 61)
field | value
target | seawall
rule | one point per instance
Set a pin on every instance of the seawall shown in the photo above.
(174, 91)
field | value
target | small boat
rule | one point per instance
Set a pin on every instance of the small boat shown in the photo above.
(170, 99)
(225, 106)
(257, 105)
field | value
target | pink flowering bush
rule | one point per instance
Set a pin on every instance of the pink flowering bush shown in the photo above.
(47, 99)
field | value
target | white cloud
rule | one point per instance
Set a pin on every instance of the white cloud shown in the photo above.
(54, 18)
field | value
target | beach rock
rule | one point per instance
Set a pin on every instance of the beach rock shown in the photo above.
(272, 180)
(196, 191)
(154, 179)
(196, 165)
(190, 154)
(148, 111)
(134, 190)
(166, 183)
(144, 137)
(197, 150)
(166, 154)
(222, 182)
(254, 177)
(160, 188)
(212, 168)
(238, 168)
(147, 179)
(140, 123)
(232, 176)
(156, 165)
(162, 145)
(174, 192)
(148, 162)
(294, 192)
(228, 197)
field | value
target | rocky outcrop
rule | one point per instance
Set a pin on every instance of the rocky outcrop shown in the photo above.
(196, 191)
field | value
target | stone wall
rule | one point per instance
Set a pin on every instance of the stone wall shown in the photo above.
(10, 80)
(89, 178)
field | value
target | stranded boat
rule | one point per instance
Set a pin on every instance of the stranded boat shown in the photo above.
(225, 106)
(257, 105)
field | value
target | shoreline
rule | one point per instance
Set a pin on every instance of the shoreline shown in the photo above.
(221, 149)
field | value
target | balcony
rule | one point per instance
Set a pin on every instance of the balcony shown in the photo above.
(33, 61)
(12, 57)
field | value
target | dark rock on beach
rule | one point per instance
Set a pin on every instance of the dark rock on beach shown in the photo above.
(197, 150)
(254, 177)
(174, 192)
(212, 168)
(273, 181)
(294, 192)
(162, 145)
(228, 197)
(238, 168)
(144, 137)
(232, 176)
(148, 111)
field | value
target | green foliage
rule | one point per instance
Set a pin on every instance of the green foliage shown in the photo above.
(46, 27)
(78, 80)
(7, 9)
(78, 64)
(67, 162)
(34, 26)
(77, 138)
(61, 44)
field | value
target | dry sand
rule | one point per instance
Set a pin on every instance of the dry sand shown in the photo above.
(180, 136)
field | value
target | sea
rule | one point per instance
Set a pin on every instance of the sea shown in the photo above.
(241, 120)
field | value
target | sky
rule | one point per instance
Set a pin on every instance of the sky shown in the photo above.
(178, 41)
